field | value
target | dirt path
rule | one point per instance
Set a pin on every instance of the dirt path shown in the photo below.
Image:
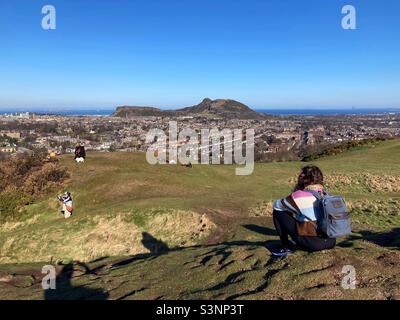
(229, 225)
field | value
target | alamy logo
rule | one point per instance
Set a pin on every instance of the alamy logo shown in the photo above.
(349, 20)
(49, 20)
(49, 280)
(186, 148)
(349, 280)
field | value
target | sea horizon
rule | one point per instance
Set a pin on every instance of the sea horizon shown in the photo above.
(272, 111)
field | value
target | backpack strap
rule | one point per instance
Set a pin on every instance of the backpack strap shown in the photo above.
(309, 219)
(317, 194)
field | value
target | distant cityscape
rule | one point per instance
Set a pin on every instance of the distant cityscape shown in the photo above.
(283, 137)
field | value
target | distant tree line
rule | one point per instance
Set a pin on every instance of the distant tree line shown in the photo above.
(321, 151)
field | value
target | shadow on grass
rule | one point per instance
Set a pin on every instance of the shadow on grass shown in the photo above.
(66, 291)
(154, 245)
(382, 239)
(222, 251)
(259, 229)
(158, 247)
(271, 245)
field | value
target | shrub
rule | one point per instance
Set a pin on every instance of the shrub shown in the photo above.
(49, 175)
(311, 155)
(24, 178)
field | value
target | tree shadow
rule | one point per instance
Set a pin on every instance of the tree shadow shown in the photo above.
(382, 239)
(154, 245)
(66, 291)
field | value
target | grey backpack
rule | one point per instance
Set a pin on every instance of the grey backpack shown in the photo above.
(334, 219)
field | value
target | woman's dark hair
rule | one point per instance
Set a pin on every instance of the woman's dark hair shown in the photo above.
(309, 175)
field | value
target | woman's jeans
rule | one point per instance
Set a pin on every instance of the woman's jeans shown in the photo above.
(285, 225)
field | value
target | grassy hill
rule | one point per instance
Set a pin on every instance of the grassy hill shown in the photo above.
(167, 231)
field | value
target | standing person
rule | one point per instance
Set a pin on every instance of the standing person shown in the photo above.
(297, 215)
(80, 153)
(67, 206)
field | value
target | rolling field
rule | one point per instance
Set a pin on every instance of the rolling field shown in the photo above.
(166, 231)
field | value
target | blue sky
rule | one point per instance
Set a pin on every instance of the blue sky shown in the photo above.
(173, 53)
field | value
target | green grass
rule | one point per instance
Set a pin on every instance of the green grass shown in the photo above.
(118, 196)
(112, 184)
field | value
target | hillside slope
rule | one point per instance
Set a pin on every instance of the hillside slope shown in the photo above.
(147, 232)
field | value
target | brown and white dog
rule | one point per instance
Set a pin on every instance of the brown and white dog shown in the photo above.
(67, 206)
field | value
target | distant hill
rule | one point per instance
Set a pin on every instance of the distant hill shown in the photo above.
(133, 111)
(220, 108)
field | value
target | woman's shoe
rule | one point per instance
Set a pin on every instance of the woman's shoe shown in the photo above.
(282, 252)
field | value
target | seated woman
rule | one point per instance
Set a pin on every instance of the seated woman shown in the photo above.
(296, 215)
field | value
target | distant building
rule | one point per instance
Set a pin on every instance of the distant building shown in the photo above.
(11, 134)
(25, 151)
(8, 149)
(273, 148)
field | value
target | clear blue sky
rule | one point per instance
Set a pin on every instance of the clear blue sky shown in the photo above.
(173, 53)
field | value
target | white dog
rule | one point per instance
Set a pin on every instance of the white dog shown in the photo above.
(80, 159)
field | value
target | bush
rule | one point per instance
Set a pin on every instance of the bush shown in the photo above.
(47, 176)
(24, 178)
(331, 150)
